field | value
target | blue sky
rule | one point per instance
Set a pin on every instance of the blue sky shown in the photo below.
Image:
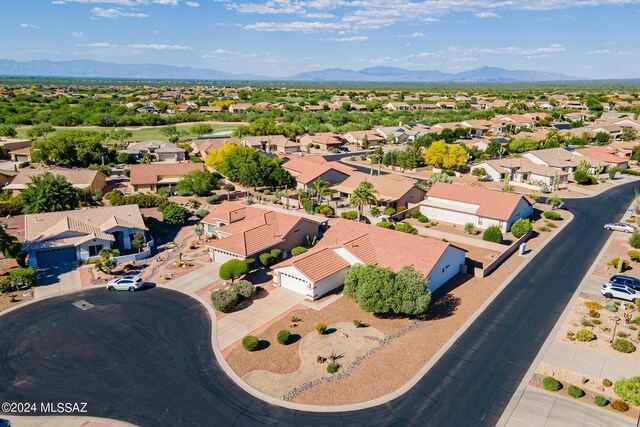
(586, 38)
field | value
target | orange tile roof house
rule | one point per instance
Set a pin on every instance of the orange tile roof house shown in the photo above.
(70, 236)
(522, 170)
(326, 141)
(83, 179)
(307, 169)
(480, 206)
(393, 190)
(278, 143)
(242, 231)
(602, 154)
(347, 243)
(151, 177)
(201, 147)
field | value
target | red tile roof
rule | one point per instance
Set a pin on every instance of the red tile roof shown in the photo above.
(151, 173)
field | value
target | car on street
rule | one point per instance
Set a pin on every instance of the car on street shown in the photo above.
(612, 290)
(620, 279)
(126, 283)
(620, 226)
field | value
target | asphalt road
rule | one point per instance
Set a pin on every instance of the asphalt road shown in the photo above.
(146, 357)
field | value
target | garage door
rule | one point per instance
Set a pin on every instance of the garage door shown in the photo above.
(56, 256)
(293, 284)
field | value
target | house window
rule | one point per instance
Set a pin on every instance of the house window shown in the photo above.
(479, 221)
(94, 250)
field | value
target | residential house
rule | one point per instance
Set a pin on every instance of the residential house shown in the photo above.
(202, 147)
(307, 169)
(326, 141)
(243, 231)
(149, 178)
(522, 170)
(210, 109)
(602, 154)
(347, 243)
(160, 151)
(148, 109)
(21, 155)
(480, 206)
(10, 144)
(557, 158)
(82, 179)
(278, 143)
(397, 106)
(392, 190)
(358, 137)
(393, 134)
(242, 107)
(70, 236)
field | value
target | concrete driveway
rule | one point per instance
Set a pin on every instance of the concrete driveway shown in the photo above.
(54, 280)
(235, 326)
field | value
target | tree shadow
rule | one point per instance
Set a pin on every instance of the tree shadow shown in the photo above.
(293, 338)
(330, 331)
(444, 307)
(263, 345)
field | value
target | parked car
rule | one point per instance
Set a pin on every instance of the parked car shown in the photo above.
(629, 281)
(612, 290)
(126, 283)
(620, 226)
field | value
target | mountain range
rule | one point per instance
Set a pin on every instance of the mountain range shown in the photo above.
(84, 68)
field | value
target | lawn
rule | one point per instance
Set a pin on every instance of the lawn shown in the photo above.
(142, 133)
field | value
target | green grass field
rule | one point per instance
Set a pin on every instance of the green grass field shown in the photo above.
(143, 134)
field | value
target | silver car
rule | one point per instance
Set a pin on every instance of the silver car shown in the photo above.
(126, 283)
(620, 226)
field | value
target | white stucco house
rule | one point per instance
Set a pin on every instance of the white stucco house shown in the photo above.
(70, 236)
(347, 243)
(480, 206)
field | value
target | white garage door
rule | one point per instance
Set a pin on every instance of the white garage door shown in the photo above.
(293, 284)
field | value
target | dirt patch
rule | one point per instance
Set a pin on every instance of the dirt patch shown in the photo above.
(20, 297)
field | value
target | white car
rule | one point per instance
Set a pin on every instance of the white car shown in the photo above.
(620, 226)
(613, 290)
(125, 283)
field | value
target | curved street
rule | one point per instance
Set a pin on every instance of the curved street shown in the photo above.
(146, 358)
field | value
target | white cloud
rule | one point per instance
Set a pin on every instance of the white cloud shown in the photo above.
(113, 13)
(487, 15)
(304, 27)
(192, 3)
(29, 26)
(347, 39)
(78, 34)
(415, 35)
(99, 44)
(600, 52)
(510, 50)
(224, 53)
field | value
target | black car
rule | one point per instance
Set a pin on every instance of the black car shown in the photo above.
(631, 282)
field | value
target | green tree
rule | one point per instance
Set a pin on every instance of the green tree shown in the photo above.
(120, 135)
(412, 293)
(172, 133)
(521, 227)
(137, 241)
(71, 148)
(321, 189)
(173, 213)
(492, 234)
(9, 245)
(200, 183)
(233, 269)
(201, 129)
(554, 202)
(107, 262)
(628, 389)
(23, 276)
(8, 131)
(125, 158)
(479, 172)
(40, 131)
(47, 192)
(363, 195)
(438, 177)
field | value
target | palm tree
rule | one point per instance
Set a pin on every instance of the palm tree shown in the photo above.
(363, 195)
(321, 188)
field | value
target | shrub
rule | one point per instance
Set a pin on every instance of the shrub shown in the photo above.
(298, 250)
(607, 382)
(266, 259)
(593, 305)
(620, 264)
(594, 314)
(332, 368)
(389, 211)
(423, 219)
(611, 306)
(23, 276)
(402, 209)
(623, 346)
(5, 286)
(521, 227)
(544, 229)
(357, 323)
(585, 335)
(201, 213)
(634, 240)
(634, 255)
(214, 198)
(469, 228)
(224, 299)
(375, 211)
(385, 224)
(622, 334)
(275, 253)
(283, 336)
(551, 384)
(596, 321)
(575, 392)
(619, 405)
(492, 234)
(406, 228)
(174, 214)
(251, 262)
(581, 176)
(601, 401)
(326, 210)
(637, 321)
(321, 328)
(244, 288)
(415, 214)
(233, 269)
(552, 215)
(250, 342)
(352, 215)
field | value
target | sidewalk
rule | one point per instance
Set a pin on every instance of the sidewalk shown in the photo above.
(195, 280)
(538, 408)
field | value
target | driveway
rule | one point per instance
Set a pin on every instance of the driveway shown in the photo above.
(54, 280)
